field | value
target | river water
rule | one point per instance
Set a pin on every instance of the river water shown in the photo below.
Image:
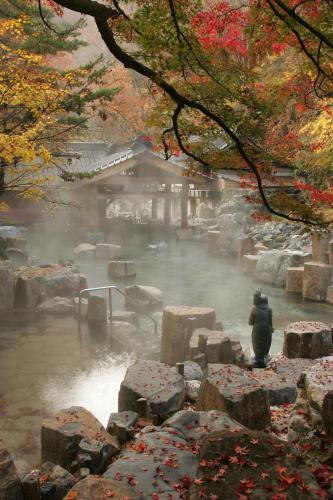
(45, 365)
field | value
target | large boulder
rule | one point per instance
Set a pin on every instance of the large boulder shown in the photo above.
(17, 243)
(17, 257)
(121, 269)
(317, 278)
(122, 425)
(280, 390)
(6, 286)
(138, 297)
(273, 264)
(290, 369)
(160, 385)
(38, 283)
(84, 251)
(178, 323)
(218, 347)
(97, 309)
(228, 388)
(307, 339)
(10, 484)
(100, 488)
(248, 464)
(156, 464)
(60, 479)
(73, 433)
(319, 390)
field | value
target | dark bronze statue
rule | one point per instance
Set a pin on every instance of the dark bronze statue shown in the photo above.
(261, 318)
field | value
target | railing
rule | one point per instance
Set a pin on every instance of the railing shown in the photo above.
(110, 288)
(113, 160)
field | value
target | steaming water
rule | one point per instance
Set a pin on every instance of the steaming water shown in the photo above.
(45, 367)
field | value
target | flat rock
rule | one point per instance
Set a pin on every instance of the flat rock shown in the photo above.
(161, 385)
(178, 324)
(195, 425)
(10, 484)
(62, 434)
(307, 339)
(218, 347)
(228, 388)
(155, 463)
(280, 390)
(100, 488)
(250, 464)
(56, 305)
(138, 297)
(290, 370)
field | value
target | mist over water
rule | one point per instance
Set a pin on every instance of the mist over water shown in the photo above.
(46, 366)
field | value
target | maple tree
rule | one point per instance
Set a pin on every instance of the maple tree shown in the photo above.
(40, 105)
(258, 75)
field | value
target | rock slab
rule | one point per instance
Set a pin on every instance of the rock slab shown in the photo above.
(61, 438)
(178, 324)
(160, 385)
(228, 388)
(307, 339)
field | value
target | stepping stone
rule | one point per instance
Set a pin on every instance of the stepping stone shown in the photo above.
(121, 269)
(228, 388)
(159, 384)
(218, 347)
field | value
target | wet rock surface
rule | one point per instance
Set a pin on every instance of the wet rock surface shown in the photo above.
(73, 432)
(250, 464)
(122, 425)
(178, 323)
(218, 348)
(228, 388)
(100, 488)
(159, 384)
(307, 339)
(280, 390)
(10, 484)
(57, 305)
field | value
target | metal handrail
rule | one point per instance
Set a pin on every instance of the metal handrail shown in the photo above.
(110, 288)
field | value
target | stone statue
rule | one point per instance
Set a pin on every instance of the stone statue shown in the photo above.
(261, 318)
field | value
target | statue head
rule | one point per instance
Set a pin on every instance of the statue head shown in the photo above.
(263, 301)
(256, 297)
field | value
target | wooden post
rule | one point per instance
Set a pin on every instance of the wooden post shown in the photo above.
(154, 206)
(184, 206)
